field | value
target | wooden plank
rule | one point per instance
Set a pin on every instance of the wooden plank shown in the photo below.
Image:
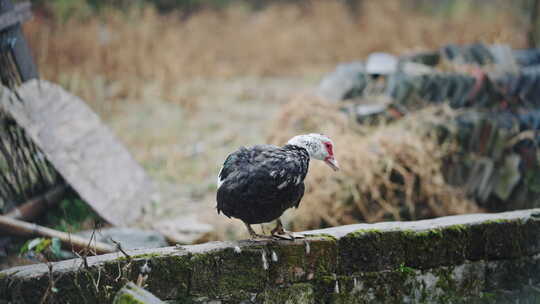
(13, 35)
(81, 149)
(18, 14)
(23, 56)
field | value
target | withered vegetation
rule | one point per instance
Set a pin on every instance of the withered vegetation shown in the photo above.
(389, 172)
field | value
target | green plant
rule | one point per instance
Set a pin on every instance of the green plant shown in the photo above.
(405, 269)
(40, 246)
(71, 215)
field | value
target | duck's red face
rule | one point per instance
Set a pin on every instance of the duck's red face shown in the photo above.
(318, 146)
(329, 159)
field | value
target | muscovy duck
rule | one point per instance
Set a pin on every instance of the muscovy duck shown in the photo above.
(257, 184)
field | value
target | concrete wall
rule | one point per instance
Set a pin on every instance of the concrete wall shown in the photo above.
(481, 258)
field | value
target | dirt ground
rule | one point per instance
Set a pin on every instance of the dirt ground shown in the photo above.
(184, 146)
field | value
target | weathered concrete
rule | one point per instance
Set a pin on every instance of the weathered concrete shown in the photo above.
(129, 238)
(133, 294)
(469, 258)
(81, 148)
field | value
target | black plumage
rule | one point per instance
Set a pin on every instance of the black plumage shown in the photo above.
(257, 184)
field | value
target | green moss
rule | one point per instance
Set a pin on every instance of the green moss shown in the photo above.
(126, 299)
(370, 250)
(166, 273)
(301, 260)
(361, 232)
(148, 256)
(367, 287)
(405, 269)
(298, 293)
(426, 233)
(133, 294)
(323, 236)
(463, 285)
(440, 285)
(408, 232)
(456, 228)
(446, 284)
(122, 259)
(370, 266)
(96, 284)
(169, 273)
(430, 248)
(496, 241)
(373, 250)
(499, 221)
(228, 275)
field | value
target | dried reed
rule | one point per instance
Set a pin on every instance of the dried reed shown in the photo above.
(389, 172)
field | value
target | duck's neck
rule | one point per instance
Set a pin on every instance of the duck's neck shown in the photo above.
(300, 151)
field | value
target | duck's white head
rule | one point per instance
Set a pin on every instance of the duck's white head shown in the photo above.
(318, 146)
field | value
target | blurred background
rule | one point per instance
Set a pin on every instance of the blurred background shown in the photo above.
(183, 83)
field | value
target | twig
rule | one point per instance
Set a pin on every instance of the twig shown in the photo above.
(83, 258)
(96, 282)
(119, 247)
(52, 283)
(92, 237)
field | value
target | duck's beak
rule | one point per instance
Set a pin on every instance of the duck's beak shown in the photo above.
(332, 162)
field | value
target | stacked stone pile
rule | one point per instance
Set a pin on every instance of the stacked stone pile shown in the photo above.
(494, 92)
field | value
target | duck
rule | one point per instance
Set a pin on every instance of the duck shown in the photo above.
(258, 184)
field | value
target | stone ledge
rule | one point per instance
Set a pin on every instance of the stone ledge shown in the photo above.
(457, 257)
(437, 242)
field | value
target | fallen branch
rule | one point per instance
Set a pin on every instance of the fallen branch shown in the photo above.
(36, 206)
(78, 243)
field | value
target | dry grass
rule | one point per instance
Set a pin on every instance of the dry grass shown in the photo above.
(119, 56)
(390, 172)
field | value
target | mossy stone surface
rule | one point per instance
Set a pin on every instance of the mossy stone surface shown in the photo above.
(226, 274)
(461, 259)
(299, 293)
(133, 294)
(364, 251)
(301, 261)
(375, 250)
